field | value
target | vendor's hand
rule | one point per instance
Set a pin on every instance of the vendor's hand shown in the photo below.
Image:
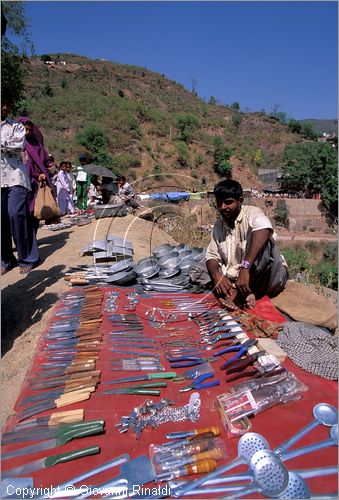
(42, 177)
(243, 282)
(222, 284)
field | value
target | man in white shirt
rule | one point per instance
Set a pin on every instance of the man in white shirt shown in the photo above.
(242, 260)
(15, 184)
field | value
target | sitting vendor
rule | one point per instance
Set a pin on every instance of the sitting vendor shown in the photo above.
(242, 260)
(126, 192)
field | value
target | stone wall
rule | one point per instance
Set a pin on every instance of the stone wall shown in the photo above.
(305, 214)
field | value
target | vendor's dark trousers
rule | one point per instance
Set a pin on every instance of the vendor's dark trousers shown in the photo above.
(268, 274)
(16, 223)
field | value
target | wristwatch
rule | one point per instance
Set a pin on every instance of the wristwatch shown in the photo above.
(245, 264)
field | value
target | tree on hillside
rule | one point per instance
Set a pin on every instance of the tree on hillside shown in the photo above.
(12, 72)
(235, 106)
(95, 140)
(236, 120)
(294, 126)
(311, 168)
(222, 155)
(187, 125)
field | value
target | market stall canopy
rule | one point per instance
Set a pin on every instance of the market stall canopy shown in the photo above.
(99, 170)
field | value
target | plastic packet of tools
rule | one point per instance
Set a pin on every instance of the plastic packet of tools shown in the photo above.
(252, 398)
(233, 428)
(169, 458)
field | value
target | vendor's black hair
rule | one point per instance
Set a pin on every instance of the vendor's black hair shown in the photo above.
(228, 188)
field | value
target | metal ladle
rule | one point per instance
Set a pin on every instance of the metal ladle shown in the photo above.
(296, 488)
(324, 414)
(333, 441)
(270, 478)
(248, 445)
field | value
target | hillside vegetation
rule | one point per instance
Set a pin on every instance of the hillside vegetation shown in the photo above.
(142, 124)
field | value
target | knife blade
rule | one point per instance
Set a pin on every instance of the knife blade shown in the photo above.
(54, 393)
(61, 417)
(134, 388)
(137, 378)
(46, 462)
(37, 433)
(64, 400)
(63, 436)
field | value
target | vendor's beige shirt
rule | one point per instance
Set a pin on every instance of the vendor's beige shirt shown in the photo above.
(229, 246)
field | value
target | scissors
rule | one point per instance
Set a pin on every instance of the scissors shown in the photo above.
(198, 383)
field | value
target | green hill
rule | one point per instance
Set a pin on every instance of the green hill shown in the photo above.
(137, 111)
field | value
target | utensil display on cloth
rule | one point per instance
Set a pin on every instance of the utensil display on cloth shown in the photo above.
(333, 441)
(97, 470)
(324, 414)
(62, 436)
(248, 445)
(270, 478)
(147, 376)
(136, 472)
(296, 488)
(44, 463)
(247, 476)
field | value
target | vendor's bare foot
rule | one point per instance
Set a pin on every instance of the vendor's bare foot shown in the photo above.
(250, 301)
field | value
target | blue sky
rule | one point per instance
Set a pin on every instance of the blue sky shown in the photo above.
(260, 54)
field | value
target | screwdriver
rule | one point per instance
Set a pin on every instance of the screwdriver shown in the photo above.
(195, 432)
(186, 470)
(213, 454)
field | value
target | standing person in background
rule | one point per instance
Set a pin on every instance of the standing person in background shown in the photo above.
(82, 181)
(36, 161)
(65, 201)
(71, 177)
(15, 186)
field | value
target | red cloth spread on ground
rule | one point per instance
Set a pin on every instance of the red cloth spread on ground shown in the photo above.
(276, 424)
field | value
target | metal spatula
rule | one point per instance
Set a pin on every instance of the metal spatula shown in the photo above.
(136, 472)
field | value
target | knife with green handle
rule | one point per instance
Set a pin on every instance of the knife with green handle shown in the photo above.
(141, 387)
(63, 436)
(34, 434)
(46, 462)
(137, 378)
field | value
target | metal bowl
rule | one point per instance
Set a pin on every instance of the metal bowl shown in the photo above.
(166, 247)
(146, 268)
(181, 248)
(184, 255)
(168, 272)
(169, 261)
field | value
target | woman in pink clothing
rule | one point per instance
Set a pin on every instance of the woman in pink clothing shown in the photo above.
(65, 201)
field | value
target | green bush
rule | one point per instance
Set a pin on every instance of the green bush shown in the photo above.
(183, 153)
(224, 169)
(330, 252)
(199, 159)
(296, 258)
(187, 125)
(121, 163)
(327, 273)
(281, 214)
(236, 120)
(94, 139)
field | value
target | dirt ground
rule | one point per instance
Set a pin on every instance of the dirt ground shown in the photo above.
(27, 301)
